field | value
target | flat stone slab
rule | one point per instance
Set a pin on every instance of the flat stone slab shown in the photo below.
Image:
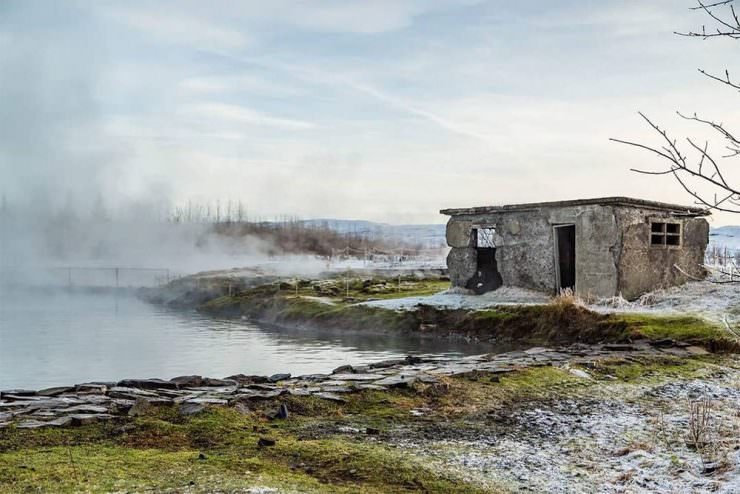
(147, 384)
(330, 397)
(125, 392)
(16, 392)
(88, 418)
(260, 395)
(56, 391)
(95, 401)
(356, 377)
(86, 409)
(91, 388)
(398, 381)
(207, 401)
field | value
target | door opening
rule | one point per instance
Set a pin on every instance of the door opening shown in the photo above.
(565, 249)
(487, 276)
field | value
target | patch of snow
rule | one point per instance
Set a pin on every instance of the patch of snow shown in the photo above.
(462, 299)
(714, 301)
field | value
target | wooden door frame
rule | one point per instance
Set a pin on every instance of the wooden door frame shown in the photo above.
(557, 255)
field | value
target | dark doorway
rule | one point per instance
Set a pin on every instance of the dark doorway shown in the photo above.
(487, 277)
(565, 240)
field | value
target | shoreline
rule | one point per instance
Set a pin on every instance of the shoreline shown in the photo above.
(432, 425)
(93, 401)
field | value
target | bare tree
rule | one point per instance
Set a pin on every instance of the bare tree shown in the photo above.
(690, 162)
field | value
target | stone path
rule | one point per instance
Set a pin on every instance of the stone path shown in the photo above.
(97, 401)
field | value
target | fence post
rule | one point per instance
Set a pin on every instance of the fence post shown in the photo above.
(116, 277)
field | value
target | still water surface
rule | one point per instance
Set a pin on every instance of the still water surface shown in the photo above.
(60, 338)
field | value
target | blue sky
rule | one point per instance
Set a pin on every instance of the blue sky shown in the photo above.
(382, 110)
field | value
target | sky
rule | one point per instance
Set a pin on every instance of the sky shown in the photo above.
(387, 110)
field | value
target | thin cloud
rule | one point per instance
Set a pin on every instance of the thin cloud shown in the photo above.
(242, 114)
(180, 29)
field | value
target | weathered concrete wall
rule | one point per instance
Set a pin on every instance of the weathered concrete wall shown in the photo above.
(464, 264)
(643, 268)
(525, 250)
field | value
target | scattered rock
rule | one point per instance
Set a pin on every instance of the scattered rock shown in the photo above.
(91, 388)
(663, 343)
(88, 418)
(87, 409)
(147, 384)
(697, 350)
(619, 347)
(330, 397)
(14, 393)
(202, 456)
(397, 381)
(259, 395)
(60, 422)
(207, 400)
(282, 412)
(188, 409)
(278, 377)
(343, 369)
(31, 424)
(337, 389)
(356, 377)
(372, 431)
(243, 379)
(130, 393)
(580, 373)
(384, 364)
(265, 441)
(56, 391)
(188, 381)
(213, 382)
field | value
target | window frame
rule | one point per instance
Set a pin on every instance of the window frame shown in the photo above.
(661, 228)
(475, 237)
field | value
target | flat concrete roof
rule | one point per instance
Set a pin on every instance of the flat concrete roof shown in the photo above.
(600, 201)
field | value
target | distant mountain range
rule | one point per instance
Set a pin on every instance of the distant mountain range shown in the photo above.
(433, 236)
(725, 236)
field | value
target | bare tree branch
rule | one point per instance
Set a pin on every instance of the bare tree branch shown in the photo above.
(702, 178)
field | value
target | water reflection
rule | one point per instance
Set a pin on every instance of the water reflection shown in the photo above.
(57, 338)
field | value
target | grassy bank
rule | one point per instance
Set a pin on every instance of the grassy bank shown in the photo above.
(526, 325)
(322, 447)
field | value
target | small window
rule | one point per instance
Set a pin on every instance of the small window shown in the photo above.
(484, 238)
(668, 234)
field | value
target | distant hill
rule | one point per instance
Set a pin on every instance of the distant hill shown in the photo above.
(428, 236)
(725, 236)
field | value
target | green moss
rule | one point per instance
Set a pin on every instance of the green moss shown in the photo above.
(654, 369)
(680, 328)
(161, 452)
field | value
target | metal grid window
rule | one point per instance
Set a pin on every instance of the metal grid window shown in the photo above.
(484, 238)
(665, 234)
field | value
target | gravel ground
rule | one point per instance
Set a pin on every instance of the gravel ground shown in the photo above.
(626, 439)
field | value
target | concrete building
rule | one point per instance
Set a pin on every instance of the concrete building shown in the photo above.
(598, 247)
